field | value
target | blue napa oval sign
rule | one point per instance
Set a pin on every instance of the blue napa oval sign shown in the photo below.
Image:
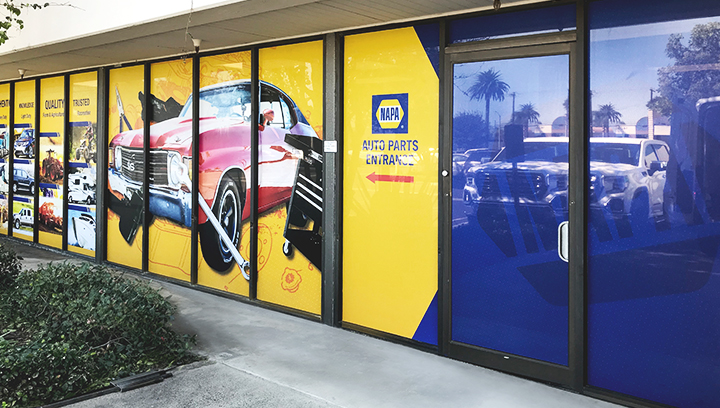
(390, 113)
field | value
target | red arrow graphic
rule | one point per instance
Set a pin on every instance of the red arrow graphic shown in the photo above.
(395, 179)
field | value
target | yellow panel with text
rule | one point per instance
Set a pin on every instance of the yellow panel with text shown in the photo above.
(390, 200)
(52, 171)
(5, 138)
(24, 160)
(82, 169)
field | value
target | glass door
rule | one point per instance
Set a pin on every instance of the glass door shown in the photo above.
(509, 280)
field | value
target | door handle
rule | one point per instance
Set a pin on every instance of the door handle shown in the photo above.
(563, 246)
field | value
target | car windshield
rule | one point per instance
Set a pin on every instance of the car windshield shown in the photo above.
(540, 151)
(615, 153)
(558, 152)
(226, 102)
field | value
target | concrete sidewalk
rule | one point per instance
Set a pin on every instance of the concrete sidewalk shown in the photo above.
(262, 358)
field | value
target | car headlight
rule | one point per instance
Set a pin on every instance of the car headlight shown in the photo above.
(118, 158)
(615, 184)
(177, 170)
(557, 181)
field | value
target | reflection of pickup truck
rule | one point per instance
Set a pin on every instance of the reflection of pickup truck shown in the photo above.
(23, 218)
(627, 176)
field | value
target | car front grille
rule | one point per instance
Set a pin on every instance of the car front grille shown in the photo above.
(133, 165)
(514, 184)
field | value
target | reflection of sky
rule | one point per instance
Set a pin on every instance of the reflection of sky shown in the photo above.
(624, 63)
(542, 81)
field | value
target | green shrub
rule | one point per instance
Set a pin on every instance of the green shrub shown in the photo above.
(73, 328)
(10, 267)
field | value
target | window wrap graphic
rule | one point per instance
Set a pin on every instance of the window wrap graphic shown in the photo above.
(290, 175)
(125, 210)
(390, 182)
(654, 227)
(5, 143)
(82, 165)
(51, 157)
(24, 181)
(225, 129)
(170, 169)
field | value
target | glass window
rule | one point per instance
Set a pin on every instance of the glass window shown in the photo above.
(654, 230)
(649, 156)
(489, 26)
(662, 153)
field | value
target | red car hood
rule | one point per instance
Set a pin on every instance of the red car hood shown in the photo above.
(175, 134)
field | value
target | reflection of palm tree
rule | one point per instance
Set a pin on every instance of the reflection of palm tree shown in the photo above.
(488, 85)
(606, 115)
(526, 115)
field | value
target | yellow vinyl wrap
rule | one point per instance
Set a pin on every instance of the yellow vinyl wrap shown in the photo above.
(52, 121)
(5, 146)
(83, 108)
(293, 281)
(214, 70)
(128, 82)
(169, 242)
(390, 211)
(24, 115)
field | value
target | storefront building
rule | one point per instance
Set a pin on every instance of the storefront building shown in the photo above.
(528, 189)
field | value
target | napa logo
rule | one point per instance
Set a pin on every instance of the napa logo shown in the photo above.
(390, 113)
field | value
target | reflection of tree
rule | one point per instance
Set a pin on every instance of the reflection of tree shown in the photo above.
(695, 74)
(488, 85)
(466, 127)
(604, 116)
(527, 115)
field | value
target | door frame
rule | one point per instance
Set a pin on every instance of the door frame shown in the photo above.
(567, 43)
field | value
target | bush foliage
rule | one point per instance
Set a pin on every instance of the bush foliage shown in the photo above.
(68, 329)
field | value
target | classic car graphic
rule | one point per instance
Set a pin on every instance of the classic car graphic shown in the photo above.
(627, 176)
(83, 231)
(23, 218)
(224, 165)
(22, 181)
(25, 144)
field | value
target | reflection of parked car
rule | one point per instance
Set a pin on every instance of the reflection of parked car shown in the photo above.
(225, 158)
(458, 162)
(23, 181)
(23, 218)
(476, 157)
(83, 230)
(627, 176)
(25, 144)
